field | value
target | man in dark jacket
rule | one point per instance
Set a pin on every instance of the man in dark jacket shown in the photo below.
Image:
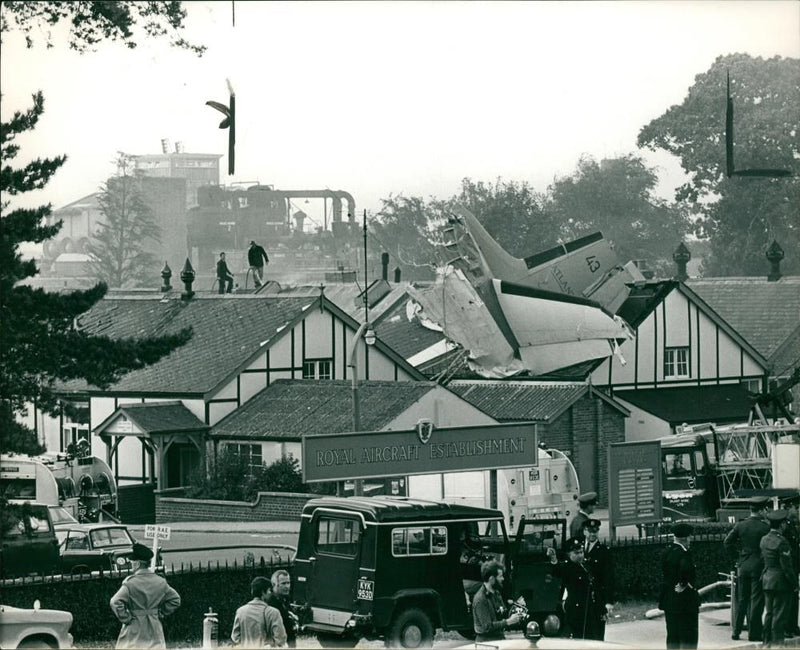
(224, 276)
(679, 598)
(793, 537)
(257, 257)
(279, 599)
(744, 541)
(597, 558)
(586, 504)
(489, 614)
(778, 580)
(583, 610)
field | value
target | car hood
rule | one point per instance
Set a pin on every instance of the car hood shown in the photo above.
(10, 614)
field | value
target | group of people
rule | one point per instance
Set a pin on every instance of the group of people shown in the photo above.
(257, 258)
(766, 546)
(145, 598)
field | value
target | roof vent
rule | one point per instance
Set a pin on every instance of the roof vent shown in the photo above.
(774, 255)
(681, 256)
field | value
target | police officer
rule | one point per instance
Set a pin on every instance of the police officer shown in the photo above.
(745, 538)
(778, 580)
(598, 560)
(793, 537)
(586, 504)
(582, 609)
(679, 598)
(141, 602)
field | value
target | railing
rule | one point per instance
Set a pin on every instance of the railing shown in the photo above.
(276, 557)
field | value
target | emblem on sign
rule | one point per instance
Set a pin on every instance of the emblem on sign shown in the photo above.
(424, 431)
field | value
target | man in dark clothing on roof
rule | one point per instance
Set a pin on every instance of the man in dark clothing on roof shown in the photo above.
(257, 258)
(224, 276)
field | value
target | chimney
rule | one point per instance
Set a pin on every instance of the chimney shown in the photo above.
(179, 147)
(385, 266)
(164, 145)
(397, 275)
(166, 276)
(774, 255)
(681, 256)
(187, 277)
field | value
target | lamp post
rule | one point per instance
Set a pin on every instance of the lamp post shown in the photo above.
(365, 332)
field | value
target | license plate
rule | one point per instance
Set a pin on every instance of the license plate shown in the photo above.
(366, 589)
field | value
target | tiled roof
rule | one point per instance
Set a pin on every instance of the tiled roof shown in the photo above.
(787, 357)
(764, 313)
(692, 404)
(227, 330)
(159, 417)
(406, 337)
(529, 400)
(290, 407)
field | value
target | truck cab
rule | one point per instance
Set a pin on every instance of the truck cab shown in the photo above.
(398, 569)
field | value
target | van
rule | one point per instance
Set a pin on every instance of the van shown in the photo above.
(398, 569)
(28, 543)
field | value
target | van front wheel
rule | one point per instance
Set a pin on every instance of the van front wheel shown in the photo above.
(411, 628)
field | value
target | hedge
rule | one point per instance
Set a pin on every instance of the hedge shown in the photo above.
(221, 588)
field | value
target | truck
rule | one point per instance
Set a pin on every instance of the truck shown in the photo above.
(399, 568)
(83, 485)
(710, 471)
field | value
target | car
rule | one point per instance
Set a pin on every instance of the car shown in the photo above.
(34, 628)
(28, 543)
(94, 547)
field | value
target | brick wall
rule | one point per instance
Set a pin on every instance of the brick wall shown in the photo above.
(269, 506)
(589, 421)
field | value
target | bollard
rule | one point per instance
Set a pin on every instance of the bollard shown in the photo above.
(210, 629)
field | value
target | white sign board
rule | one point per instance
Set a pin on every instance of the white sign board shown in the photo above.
(152, 531)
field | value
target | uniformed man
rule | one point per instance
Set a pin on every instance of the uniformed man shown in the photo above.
(598, 560)
(582, 609)
(744, 542)
(141, 602)
(679, 598)
(586, 504)
(779, 579)
(793, 537)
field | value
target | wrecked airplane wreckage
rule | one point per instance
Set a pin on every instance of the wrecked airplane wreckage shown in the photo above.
(545, 313)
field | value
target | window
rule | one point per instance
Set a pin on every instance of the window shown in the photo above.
(251, 454)
(419, 540)
(338, 536)
(317, 369)
(676, 363)
(752, 385)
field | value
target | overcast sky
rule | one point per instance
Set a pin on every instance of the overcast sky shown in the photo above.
(381, 98)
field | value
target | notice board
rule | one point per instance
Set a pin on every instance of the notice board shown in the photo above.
(634, 482)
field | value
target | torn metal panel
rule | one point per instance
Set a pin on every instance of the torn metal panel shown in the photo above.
(587, 267)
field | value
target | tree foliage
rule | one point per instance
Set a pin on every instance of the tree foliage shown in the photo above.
(41, 344)
(120, 247)
(230, 477)
(616, 196)
(90, 23)
(740, 215)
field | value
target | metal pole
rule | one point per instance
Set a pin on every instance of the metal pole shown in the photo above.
(352, 362)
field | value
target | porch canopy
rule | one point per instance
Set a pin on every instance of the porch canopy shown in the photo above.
(160, 426)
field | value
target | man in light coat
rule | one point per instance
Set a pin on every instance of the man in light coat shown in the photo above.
(141, 602)
(257, 624)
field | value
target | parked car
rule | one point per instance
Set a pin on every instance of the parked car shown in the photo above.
(94, 547)
(28, 543)
(34, 628)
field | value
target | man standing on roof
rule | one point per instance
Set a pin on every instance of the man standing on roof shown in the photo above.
(746, 539)
(779, 578)
(257, 258)
(586, 504)
(224, 276)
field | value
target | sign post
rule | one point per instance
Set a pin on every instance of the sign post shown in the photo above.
(156, 533)
(634, 484)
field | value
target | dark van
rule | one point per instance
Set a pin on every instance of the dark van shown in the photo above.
(28, 543)
(399, 568)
